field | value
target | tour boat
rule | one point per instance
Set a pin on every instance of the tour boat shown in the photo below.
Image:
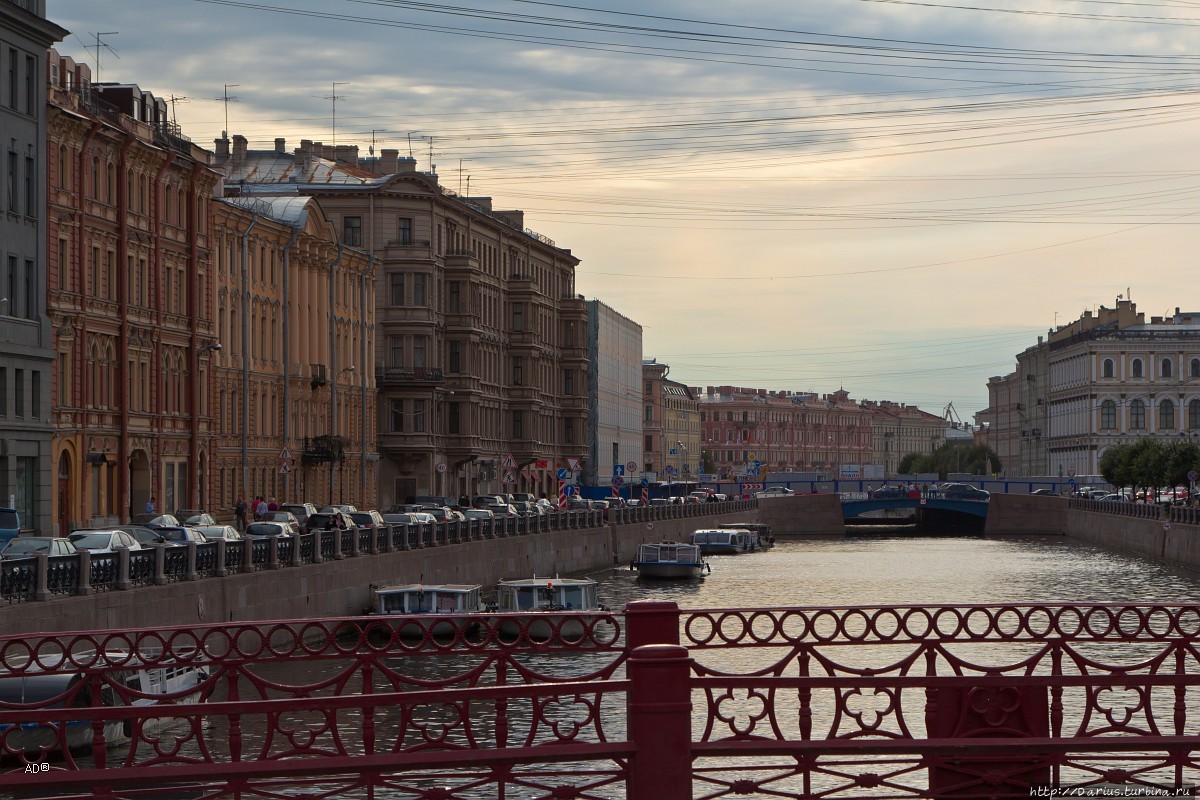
(670, 560)
(760, 532)
(442, 609)
(557, 608)
(58, 685)
(723, 541)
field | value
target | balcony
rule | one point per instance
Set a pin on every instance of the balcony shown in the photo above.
(323, 450)
(401, 377)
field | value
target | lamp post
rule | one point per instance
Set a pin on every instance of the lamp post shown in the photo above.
(333, 425)
(199, 392)
(682, 458)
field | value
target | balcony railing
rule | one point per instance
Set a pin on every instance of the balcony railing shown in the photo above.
(408, 376)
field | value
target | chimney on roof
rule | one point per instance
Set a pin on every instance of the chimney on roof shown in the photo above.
(280, 145)
(222, 146)
(388, 159)
(346, 154)
(239, 149)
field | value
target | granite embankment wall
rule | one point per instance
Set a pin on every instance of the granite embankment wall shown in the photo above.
(1016, 514)
(803, 515)
(342, 586)
(1175, 542)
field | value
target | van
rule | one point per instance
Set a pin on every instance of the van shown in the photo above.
(10, 525)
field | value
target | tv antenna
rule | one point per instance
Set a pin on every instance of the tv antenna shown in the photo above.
(226, 98)
(99, 44)
(372, 150)
(173, 100)
(333, 98)
(460, 178)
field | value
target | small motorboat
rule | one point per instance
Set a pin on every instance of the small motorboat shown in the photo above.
(125, 680)
(557, 608)
(438, 609)
(670, 560)
(724, 541)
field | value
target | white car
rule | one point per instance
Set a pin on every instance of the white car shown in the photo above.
(104, 541)
(213, 532)
(774, 491)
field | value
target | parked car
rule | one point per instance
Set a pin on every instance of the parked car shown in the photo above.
(301, 511)
(368, 519)
(435, 500)
(527, 508)
(523, 497)
(104, 541)
(414, 518)
(266, 530)
(485, 500)
(503, 511)
(962, 491)
(660, 501)
(10, 525)
(774, 491)
(286, 517)
(146, 536)
(212, 533)
(345, 509)
(24, 546)
(179, 537)
(198, 518)
(479, 513)
(1046, 492)
(157, 521)
(1115, 498)
(323, 521)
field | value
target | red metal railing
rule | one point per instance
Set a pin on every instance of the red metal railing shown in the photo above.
(975, 701)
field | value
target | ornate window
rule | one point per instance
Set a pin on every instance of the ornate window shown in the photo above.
(1137, 368)
(1108, 415)
(1194, 370)
(1194, 415)
(1165, 368)
(1137, 415)
(1106, 371)
(1166, 415)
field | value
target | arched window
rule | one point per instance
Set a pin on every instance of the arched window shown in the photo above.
(1166, 415)
(96, 177)
(1107, 370)
(1194, 370)
(64, 168)
(110, 184)
(1137, 415)
(1137, 368)
(1108, 415)
(1194, 415)
(1165, 370)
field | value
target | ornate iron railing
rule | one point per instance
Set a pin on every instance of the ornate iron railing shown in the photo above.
(880, 702)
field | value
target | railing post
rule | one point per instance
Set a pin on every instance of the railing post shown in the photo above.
(219, 570)
(273, 553)
(160, 565)
(191, 565)
(41, 591)
(337, 545)
(318, 557)
(651, 622)
(660, 723)
(85, 572)
(123, 567)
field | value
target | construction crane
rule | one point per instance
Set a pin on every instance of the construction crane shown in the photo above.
(951, 416)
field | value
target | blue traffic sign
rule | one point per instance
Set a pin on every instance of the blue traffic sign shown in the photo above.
(645, 481)
(568, 489)
(618, 470)
(562, 473)
(618, 481)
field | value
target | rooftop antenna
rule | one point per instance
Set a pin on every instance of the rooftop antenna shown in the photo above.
(226, 98)
(460, 179)
(333, 97)
(371, 150)
(431, 169)
(410, 133)
(100, 44)
(173, 100)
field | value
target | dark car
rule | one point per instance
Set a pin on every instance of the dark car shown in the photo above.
(962, 491)
(157, 521)
(368, 519)
(889, 493)
(144, 535)
(24, 546)
(1045, 492)
(327, 521)
(179, 537)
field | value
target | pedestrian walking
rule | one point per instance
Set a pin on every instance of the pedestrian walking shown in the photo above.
(239, 511)
(260, 510)
(150, 505)
(272, 506)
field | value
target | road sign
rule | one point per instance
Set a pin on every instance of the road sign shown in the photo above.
(1071, 470)
(541, 463)
(508, 477)
(1192, 475)
(285, 468)
(673, 452)
(285, 454)
(562, 474)
(645, 481)
(508, 462)
(752, 487)
(618, 481)
(573, 464)
(618, 470)
(649, 526)
(631, 466)
(567, 489)
(670, 470)
(441, 467)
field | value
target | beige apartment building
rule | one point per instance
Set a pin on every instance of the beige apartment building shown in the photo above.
(671, 426)
(1018, 415)
(294, 413)
(481, 342)
(898, 429)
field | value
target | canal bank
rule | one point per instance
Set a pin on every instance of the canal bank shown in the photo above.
(1171, 535)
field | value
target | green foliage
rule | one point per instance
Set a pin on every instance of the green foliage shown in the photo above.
(706, 460)
(974, 459)
(1149, 463)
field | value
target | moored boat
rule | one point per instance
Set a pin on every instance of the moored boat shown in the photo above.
(126, 680)
(441, 609)
(670, 560)
(723, 541)
(761, 532)
(558, 608)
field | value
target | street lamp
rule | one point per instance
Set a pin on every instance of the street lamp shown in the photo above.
(333, 425)
(683, 458)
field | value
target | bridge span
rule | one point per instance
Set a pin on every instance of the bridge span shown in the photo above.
(900, 701)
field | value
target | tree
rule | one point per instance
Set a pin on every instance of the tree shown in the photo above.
(707, 462)
(907, 464)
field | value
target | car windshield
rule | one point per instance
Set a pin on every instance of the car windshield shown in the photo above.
(8, 520)
(23, 546)
(86, 540)
(262, 530)
(363, 519)
(174, 536)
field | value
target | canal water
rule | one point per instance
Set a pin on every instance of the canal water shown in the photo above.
(870, 570)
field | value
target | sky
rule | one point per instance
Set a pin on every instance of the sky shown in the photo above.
(894, 197)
